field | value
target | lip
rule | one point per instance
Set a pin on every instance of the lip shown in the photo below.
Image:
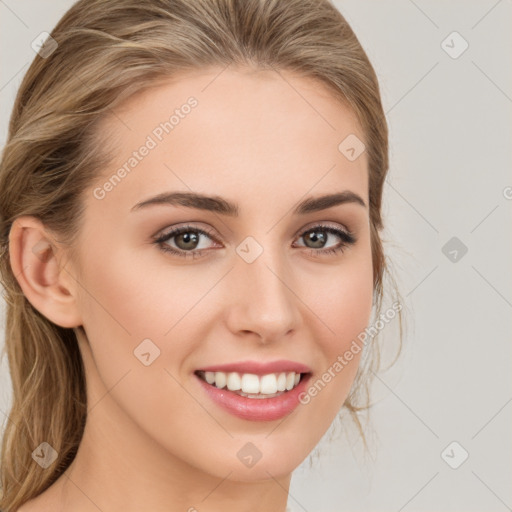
(255, 409)
(259, 368)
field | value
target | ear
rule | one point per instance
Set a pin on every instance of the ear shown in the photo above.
(37, 262)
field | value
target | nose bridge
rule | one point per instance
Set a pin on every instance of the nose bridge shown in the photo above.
(263, 301)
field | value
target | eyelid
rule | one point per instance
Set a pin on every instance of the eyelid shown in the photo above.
(210, 232)
(163, 233)
(324, 224)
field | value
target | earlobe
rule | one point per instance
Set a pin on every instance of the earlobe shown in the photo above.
(35, 259)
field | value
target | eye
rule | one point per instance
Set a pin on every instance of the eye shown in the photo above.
(318, 236)
(186, 240)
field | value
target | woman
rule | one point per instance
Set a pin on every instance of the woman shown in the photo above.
(190, 207)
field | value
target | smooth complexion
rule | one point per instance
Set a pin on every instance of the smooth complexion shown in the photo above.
(153, 439)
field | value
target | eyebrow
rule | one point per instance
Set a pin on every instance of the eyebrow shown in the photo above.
(220, 205)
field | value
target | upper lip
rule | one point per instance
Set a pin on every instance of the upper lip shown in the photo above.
(259, 368)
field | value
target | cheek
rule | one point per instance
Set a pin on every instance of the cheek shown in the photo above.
(345, 300)
(135, 312)
(127, 312)
(136, 298)
(345, 306)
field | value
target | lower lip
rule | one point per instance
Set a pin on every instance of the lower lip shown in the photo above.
(256, 409)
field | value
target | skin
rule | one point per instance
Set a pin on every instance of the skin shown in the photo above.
(153, 440)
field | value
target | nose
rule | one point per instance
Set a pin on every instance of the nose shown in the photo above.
(263, 300)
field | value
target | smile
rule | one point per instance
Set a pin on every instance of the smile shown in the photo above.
(255, 391)
(251, 385)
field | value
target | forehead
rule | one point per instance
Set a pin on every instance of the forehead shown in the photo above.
(239, 133)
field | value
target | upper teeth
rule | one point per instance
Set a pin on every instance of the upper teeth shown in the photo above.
(251, 383)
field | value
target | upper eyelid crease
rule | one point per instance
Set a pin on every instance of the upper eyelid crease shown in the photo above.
(219, 205)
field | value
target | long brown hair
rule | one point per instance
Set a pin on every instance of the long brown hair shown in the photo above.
(106, 50)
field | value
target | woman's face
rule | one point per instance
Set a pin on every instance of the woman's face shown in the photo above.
(262, 285)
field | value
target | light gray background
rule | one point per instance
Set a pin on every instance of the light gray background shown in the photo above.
(450, 168)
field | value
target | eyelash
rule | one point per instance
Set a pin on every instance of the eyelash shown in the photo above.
(347, 239)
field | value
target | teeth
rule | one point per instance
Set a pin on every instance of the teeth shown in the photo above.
(281, 382)
(268, 384)
(220, 379)
(233, 381)
(248, 384)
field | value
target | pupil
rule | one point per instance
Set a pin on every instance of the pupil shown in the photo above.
(187, 238)
(316, 236)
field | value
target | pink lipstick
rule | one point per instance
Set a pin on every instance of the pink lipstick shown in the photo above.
(253, 390)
